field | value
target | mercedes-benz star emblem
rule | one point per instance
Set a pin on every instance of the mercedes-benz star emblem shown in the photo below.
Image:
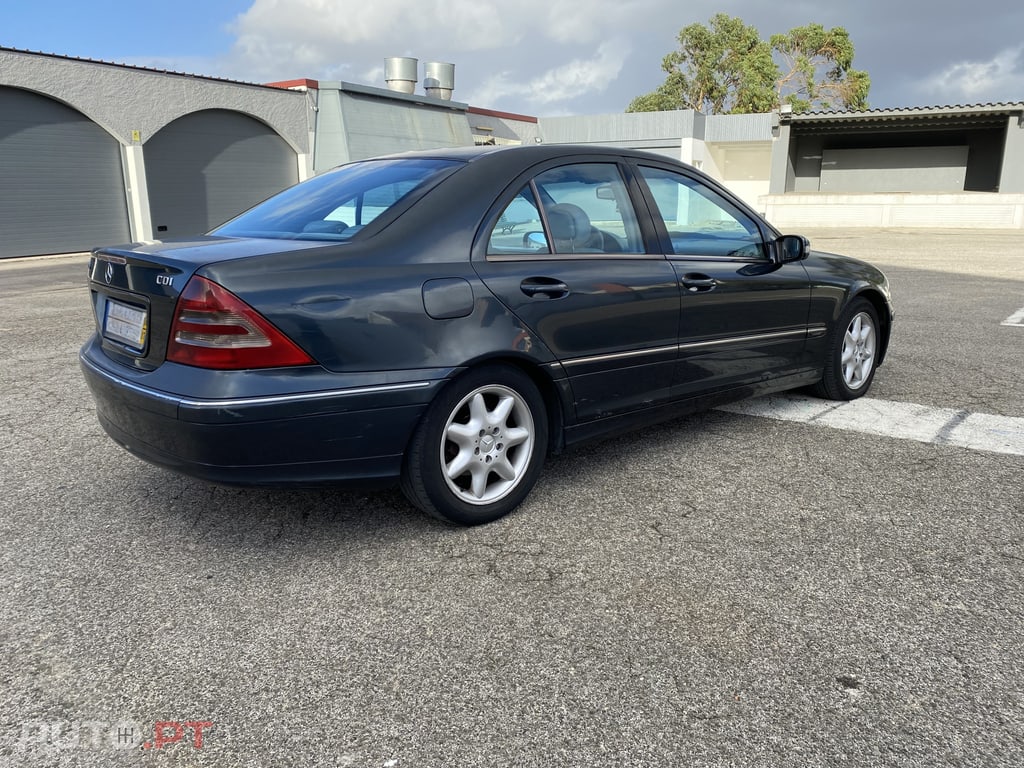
(109, 274)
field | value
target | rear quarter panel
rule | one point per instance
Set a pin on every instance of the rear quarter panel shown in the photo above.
(363, 309)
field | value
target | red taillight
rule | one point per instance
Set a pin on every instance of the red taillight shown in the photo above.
(213, 328)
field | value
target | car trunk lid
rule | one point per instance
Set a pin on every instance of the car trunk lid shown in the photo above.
(135, 289)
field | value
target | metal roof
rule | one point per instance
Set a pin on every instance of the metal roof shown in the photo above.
(418, 99)
(907, 113)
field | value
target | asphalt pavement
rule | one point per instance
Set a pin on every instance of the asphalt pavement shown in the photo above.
(720, 590)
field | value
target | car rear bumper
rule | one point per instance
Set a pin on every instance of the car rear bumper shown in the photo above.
(344, 434)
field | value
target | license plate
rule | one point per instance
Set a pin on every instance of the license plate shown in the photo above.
(125, 323)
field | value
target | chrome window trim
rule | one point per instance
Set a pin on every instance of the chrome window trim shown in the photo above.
(744, 339)
(795, 333)
(573, 256)
(728, 259)
(621, 355)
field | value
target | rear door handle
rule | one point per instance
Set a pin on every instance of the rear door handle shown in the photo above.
(697, 283)
(544, 286)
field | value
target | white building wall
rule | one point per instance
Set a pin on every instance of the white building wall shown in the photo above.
(133, 104)
(969, 210)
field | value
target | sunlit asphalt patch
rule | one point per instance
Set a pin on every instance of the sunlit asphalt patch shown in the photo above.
(905, 421)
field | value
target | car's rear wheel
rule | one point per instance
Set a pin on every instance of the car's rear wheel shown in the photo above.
(852, 353)
(480, 447)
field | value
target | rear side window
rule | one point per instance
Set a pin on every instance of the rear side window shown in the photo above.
(338, 204)
(520, 228)
(572, 209)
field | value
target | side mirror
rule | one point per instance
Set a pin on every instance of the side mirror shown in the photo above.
(605, 192)
(791, 248)
(535, 241)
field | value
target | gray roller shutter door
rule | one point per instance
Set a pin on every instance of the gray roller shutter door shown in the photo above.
(207, 167)
(61, 179)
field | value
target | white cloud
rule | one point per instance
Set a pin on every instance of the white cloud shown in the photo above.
(311, 31)
(524, 42)
(559, 84)
(1000, 78)
(320, 28)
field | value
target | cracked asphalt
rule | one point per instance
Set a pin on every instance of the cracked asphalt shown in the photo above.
(721, 590)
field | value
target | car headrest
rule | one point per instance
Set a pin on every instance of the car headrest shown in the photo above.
(570, 226)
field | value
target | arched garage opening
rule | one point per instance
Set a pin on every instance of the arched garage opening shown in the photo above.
(206, 167)
(61, 179)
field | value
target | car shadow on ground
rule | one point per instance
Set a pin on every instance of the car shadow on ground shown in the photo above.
(263, 518)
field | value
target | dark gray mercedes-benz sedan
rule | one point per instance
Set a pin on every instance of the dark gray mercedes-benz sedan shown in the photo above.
(447, 318)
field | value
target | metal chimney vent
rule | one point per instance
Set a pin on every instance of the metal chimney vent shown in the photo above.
(439, 79)
(401, 73)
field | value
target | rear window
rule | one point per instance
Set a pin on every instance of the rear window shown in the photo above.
(336, 205)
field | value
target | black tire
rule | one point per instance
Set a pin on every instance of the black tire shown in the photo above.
(852, 353)
(489, 429)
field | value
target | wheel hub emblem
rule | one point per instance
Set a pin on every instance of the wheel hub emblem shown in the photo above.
(486, 443)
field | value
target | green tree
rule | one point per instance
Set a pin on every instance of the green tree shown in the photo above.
(725, 67)
(818, 70)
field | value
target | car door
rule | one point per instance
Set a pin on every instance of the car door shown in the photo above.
(743, 315)
(566, 254)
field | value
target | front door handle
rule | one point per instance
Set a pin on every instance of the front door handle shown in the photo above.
(544, 286)
(698, 283)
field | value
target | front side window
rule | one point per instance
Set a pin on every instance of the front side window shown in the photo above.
(699, 221)
(337, 204)
(572, 209)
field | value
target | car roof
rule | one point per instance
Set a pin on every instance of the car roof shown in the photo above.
(529, 153)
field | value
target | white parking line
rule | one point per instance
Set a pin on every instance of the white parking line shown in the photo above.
(905, 421)
(1017, 318)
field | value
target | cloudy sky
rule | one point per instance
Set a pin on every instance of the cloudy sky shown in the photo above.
(538, 57)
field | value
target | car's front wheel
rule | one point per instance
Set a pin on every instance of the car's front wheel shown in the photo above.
(852, 353)
(480, 447)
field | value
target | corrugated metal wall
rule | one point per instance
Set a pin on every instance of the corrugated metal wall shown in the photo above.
(745, 128)
(625, 129)
(376, 126)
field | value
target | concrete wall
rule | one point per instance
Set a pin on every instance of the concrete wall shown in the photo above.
(733, 149)
(975, 210)
(123, 100)
(745, 168)
(1012, 179)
